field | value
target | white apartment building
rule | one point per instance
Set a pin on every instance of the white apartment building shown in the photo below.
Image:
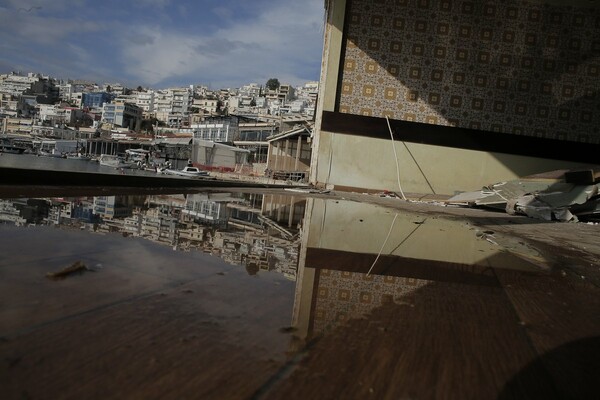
(115, 88)
(77, 99)
(163, 100)
(172, 105)
(181, 100)
(297, 106)
(15, 85)
(286, 92)
(206, 105)
(252, 90)
(145, 101)
(17, 126)
(8, 104)
(65, 91)
(52, 113)
(201, 91)
(126, 115)
(308, 92)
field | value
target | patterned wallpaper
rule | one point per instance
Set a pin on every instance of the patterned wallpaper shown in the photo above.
(343, 295)
(516, 67)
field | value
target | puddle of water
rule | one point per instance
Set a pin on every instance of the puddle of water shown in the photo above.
(203, 287)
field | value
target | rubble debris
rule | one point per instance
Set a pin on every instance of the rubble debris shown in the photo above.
(288, 329)
(77, 267)
(387, 193)
(566, 196)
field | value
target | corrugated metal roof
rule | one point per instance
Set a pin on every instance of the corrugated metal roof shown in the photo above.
(208, 143)
(174, 141)
(301, 131)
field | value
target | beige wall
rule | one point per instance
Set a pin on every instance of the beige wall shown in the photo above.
(360, 162)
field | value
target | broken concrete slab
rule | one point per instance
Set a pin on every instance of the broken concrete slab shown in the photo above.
(545, 196)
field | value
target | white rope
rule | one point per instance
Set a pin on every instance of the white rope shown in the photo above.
(383, 245)
(396, 158)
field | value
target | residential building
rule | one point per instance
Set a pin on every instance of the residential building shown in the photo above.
(53, 114)
(205, 105)
(43, 91)
(17, 126)
(125, 115)
(251, 90)
(181, 100)
(145, 101)
(15, 84)
(94, 100)
(65, 90)
(172, 106)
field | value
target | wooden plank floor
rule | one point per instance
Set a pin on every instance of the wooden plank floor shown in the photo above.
(535, 337)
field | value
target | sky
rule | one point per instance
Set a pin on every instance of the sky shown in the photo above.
(164, 43)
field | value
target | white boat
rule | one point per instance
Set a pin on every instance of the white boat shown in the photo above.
(186, 171)
(78, 156)
(51, 153)
(109, 160)
(137, 154)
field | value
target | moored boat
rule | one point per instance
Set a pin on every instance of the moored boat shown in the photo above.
(51, 153)
(188, 171)
(114, 161)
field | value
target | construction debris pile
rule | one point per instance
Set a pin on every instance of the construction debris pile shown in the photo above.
(564, 195)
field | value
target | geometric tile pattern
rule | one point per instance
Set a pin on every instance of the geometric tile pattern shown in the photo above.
(510, 66)
(343, 295)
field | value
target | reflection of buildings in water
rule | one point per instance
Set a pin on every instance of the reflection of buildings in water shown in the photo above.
(10, 213)
(209, 208)
(24, 211)
(356, 257)
(116, 206)
(284, 210)
(223, 224)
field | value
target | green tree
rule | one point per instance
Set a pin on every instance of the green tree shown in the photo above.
(148, 124)
(273, 84)
(253, 103)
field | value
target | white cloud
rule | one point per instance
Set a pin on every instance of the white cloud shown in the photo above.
(280, 41)
(276, 44)
(222, 12)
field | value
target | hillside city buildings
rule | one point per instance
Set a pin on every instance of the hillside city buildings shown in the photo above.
(28, 97)
(37, 110)
(259, 232)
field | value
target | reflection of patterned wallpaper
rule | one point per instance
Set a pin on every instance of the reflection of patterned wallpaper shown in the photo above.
(344, 295)
(508, 66)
